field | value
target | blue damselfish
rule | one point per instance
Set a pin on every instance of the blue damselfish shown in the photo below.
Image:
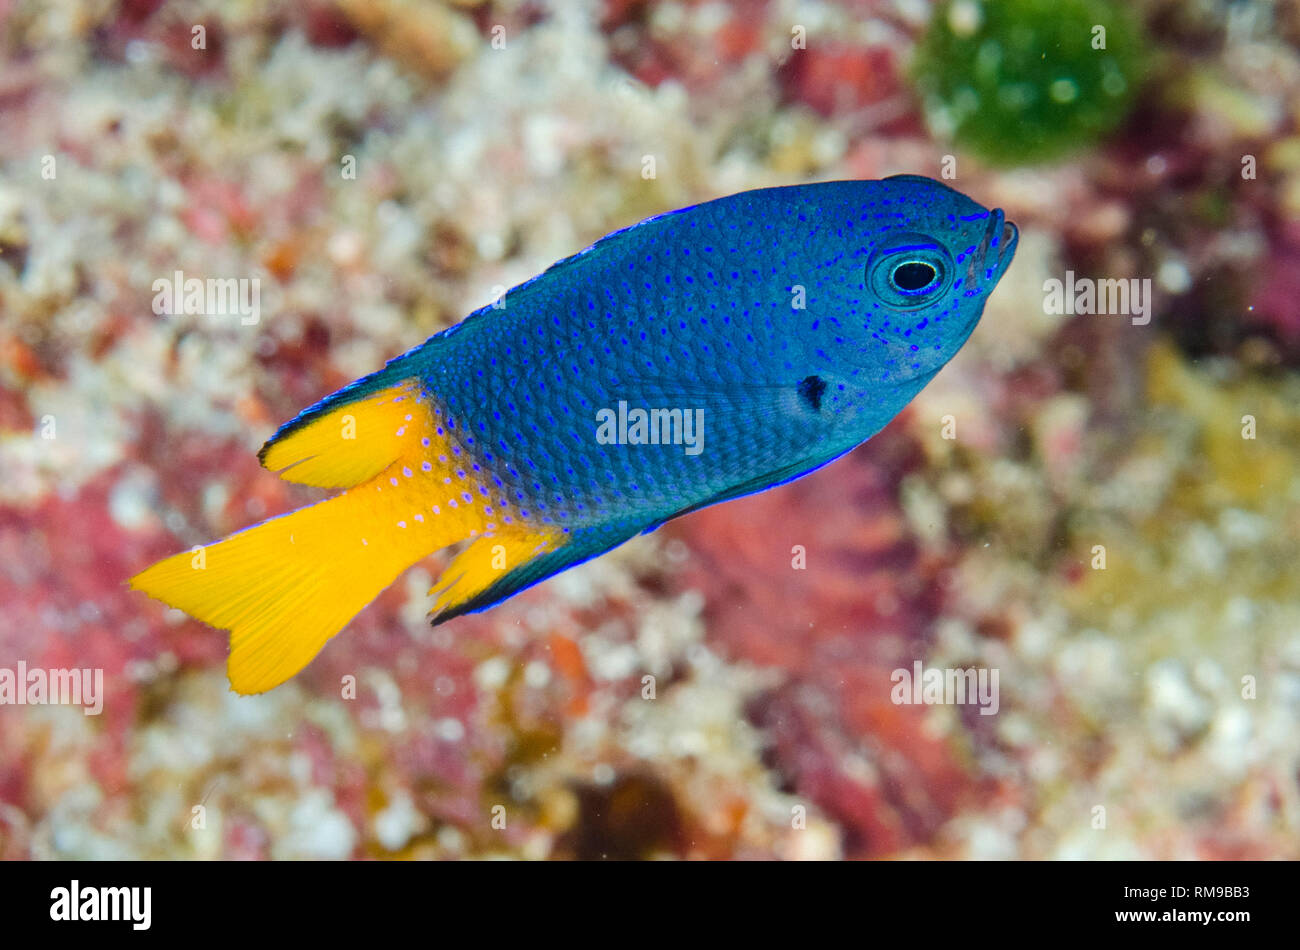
(695, 357)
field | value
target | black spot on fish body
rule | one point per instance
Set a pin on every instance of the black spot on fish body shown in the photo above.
(810, 391)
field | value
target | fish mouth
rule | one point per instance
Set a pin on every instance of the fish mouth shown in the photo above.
(999, 240)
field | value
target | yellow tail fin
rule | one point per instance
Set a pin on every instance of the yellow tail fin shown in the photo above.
(285, 587)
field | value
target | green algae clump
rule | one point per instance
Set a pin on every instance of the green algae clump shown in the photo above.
(1019, 81)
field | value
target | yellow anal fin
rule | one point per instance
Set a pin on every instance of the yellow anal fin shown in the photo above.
(350, 444)
(489, 559)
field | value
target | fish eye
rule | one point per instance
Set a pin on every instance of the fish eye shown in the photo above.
(912, 277)
(909, 272)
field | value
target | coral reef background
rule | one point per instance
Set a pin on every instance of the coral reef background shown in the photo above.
(488, 139)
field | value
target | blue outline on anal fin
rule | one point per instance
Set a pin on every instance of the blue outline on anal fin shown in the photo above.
(583, 545)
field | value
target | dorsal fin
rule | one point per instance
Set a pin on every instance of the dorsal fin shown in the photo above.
(344, 440)
(560, 267)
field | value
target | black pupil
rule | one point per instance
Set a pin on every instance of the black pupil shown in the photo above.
(914, 275)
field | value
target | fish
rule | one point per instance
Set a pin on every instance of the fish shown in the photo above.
(703, 354)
